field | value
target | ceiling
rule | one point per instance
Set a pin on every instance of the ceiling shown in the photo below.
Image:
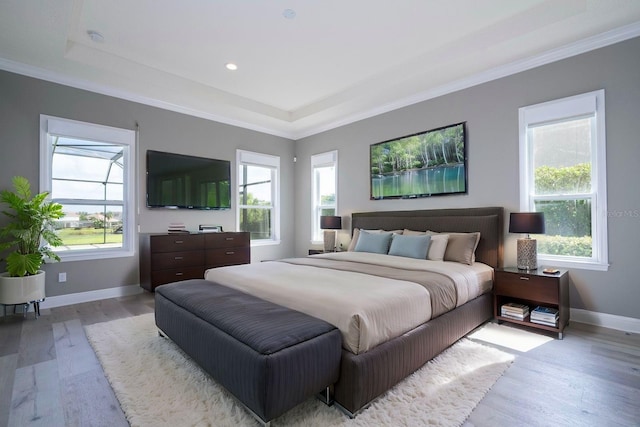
(303, 66)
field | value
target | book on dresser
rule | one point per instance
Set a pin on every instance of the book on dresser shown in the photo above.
(514, 310)
(545, 316)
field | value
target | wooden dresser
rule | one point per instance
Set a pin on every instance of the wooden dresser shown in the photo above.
(166, 258)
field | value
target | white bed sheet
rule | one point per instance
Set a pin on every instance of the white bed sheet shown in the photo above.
(367, 309)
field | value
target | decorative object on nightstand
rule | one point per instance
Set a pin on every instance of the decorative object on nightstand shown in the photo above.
(329, 224)
(527, 223)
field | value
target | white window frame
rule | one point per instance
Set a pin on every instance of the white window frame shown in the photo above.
(251, 158)
(586, 104)
(90, 131)
(327, 159)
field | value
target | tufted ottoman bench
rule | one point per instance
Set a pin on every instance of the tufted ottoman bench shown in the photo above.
(269, 357)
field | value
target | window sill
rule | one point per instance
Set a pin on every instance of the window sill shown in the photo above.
(264, 242)
(580, 265)
(93, 255)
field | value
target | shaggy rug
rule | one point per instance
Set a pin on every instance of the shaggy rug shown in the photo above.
(158, 385)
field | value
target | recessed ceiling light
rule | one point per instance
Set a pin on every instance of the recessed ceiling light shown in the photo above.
(231, 66)
(95, 36)
(289, 13)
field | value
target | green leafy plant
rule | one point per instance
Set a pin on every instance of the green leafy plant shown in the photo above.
(29, 232)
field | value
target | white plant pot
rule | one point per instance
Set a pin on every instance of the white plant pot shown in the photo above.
(20, 290)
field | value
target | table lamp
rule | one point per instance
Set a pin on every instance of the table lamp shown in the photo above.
(329, 224)
(527, 223)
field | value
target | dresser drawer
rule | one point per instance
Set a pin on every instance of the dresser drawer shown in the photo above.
(160, 277)
(164, 260)
(227, 256)
(177, 242)
(226, 240)
(528, 287)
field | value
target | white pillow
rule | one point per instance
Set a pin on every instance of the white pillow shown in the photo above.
(438, 247)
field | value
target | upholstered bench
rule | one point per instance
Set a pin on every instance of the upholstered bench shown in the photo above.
(269, 357)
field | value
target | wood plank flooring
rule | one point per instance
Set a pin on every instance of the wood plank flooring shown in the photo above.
(49, 375)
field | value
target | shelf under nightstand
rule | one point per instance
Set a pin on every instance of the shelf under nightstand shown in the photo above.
(532, 288)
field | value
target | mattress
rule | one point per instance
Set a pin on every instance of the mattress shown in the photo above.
(370, 298)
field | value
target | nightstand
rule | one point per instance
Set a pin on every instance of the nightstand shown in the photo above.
(532, 288)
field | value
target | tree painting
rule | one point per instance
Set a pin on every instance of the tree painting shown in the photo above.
(423, 164)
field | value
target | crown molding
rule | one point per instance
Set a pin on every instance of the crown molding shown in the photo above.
(591, 43)
(583, 46)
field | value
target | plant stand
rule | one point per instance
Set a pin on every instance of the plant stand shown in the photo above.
(25, 308)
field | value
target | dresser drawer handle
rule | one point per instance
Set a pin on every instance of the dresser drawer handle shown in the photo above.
(228, 238)
(178, 257)
(178, 242)
(179, 274)
(230, 253)
(524, 278)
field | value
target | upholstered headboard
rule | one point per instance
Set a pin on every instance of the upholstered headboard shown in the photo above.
(488, 221)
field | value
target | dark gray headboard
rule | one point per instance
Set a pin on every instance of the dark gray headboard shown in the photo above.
(488, 221)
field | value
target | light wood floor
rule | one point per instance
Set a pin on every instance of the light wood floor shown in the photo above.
(49, 375)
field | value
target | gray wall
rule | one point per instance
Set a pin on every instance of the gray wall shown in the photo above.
(491, 113)
(23, 99)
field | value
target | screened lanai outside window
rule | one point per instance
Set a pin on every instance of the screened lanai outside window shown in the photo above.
(89, 178)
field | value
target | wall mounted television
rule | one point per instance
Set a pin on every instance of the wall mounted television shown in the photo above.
(178, 181)
(424, 164)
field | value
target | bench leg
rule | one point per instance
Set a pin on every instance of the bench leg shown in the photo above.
(326, 396)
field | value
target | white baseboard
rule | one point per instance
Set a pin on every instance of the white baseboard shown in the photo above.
(621, 323)
(80, 297)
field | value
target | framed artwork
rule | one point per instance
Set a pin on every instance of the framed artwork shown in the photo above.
(425, 164)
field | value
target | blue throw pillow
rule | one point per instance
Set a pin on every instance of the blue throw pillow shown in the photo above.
(410, 246)
(377, 243)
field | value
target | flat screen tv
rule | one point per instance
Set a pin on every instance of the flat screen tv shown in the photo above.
(179, 181)
(424, 164)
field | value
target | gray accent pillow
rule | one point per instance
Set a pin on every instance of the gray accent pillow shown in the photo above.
(461, 247)
(373, 242)
(410, 246)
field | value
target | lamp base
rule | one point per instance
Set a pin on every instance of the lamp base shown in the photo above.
(527, 254)
(329, 240)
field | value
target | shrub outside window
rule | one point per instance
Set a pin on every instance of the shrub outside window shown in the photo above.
(562, 159)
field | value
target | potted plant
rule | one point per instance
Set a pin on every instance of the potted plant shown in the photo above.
(26, 237)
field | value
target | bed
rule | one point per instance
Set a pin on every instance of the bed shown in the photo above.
(399, 313)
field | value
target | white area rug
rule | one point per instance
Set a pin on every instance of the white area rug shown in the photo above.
(157, 385)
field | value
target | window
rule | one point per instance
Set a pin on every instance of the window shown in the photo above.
(88, 169)
(324, 183)
(258, 196)
(563, 174)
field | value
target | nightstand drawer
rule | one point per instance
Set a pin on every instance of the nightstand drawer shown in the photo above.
(529, 287)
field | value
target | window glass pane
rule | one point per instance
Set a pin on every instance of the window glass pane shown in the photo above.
(255, 185)
(256, 221)
(90, 227)
(567, 227)
(326, 185)
(328, 212)
(562, 156)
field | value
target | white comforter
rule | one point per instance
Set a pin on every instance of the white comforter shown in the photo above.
(367, 309)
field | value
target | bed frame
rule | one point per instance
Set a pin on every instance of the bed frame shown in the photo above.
(365, 376)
